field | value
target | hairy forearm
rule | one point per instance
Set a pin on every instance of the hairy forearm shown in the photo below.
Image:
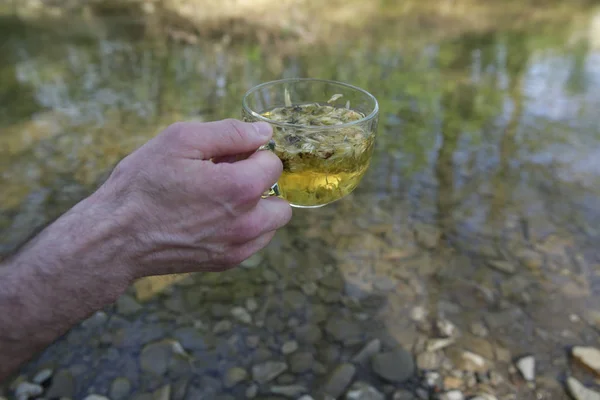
(72, 268)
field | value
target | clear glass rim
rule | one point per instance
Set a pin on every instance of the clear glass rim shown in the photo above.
(259, 117)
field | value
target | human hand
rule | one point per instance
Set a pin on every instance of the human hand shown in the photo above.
(183, 202)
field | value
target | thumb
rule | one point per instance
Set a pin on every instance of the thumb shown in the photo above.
(228, 137)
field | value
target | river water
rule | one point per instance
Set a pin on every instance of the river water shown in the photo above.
(475, 230)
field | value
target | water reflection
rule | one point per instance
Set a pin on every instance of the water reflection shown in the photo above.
(481, 206)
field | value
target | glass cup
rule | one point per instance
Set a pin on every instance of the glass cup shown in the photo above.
(323, 132)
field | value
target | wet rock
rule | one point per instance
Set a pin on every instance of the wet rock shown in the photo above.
(267, 371)
(452, 395)
(43, 377)
(251, 304)
(120, 389)
(301, 362)
(291, 391)
(503, 266)
(26, 390)
(370, 349)
(344, 330)
(526, 366)
(162, 393)
(308, 333)
(155, 357)
(479, 329)
(289, 347)
(241, 314)
(339, 379)
(222, 327)
(127, 305)
(418, 314)
(96, 397)
(234, 376)
(252, 341)
(467, 361)
(394, 366)
(580, 392)
(190, 338)
(251, 391)
(429, 360)
(363, 391)
(294, 299)
(589, 357)
(62, 385)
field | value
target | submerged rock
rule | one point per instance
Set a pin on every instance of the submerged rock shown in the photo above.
(580, 392)
(394, 366)
(588, 357)
(526, 366)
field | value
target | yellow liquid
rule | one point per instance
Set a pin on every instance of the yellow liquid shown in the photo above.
(312, 188)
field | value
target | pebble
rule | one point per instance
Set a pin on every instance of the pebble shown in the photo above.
(26, 390)
(433, 379)
(292, 391)
(267, 371)
(526, 366)
(367, 352)
(289, 347)
(43, 376)
(429, 361)
(588, 356)
(418, 314)
(301, 362)
(503, 266)
(306, 397)
(484, 396)
(467, 361)
(445, 327)
(363, 391)
(62, 385)
(438, 344)
(339, 380)
(252, 262)
(344, 330)
(580, 392)
(394, 366)
(242, 315)
(127, 305)
(452, 395)
(252, 341)
(451, 382)
(96, 397)
(155, 357)
(479, 329)
(120, 389)
(252, 391)
(403, 395)
(234, 376)
(222, 326)
(251, 304)
(309, 288)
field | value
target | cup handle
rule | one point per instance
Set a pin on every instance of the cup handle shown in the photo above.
(274, 190)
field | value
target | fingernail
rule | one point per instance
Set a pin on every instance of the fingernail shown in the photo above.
(263, 128)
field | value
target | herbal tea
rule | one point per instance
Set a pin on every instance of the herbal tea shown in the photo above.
(319, 166)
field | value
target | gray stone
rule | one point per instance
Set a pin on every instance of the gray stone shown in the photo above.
(127, 305)
(62, 385)
(363, 391)
(503, 266)
(289, 347)
(155, 357)
(285, 379)
(190, 338)
(252, 391)
(294, 299)
(394, 366)
(241, 314)
(308, 333)
(526, 366)
(251, 304)
(234, 376)
(580, 392)
(120, 389)
(452, 395)
(339, 379)
(26, 390)
(95, 397)
(344, 330)
(292, 391)
(43, 376)
(222, 327)
(370, 349)
(588, 357)
(301, 362)
(429, 360)
(267, 371)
